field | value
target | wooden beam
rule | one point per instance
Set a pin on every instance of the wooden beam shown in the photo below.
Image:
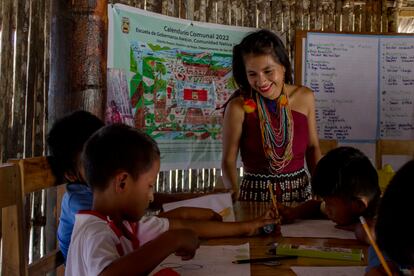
(406, 12)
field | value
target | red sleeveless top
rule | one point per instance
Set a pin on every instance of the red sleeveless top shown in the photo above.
(251, 145)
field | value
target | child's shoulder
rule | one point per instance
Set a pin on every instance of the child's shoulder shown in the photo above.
(89, 225)
(76, 187)
(78, 197)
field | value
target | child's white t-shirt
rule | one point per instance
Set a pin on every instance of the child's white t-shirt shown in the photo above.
(95, 243)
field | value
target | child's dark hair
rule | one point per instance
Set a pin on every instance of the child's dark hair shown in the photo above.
(261, 42)
(347, 173)
(394, 231)
(116, 148)
(66, 139)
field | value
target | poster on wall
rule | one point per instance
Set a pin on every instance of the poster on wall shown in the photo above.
(176, 76)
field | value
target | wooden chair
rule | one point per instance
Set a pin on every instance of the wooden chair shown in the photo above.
(393, 147)
(327, 145)
(13, 258)
(36, 175)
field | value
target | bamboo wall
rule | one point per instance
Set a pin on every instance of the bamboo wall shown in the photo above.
(25, 64)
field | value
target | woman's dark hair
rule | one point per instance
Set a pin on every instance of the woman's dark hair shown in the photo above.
(262, 42)
(394, 228)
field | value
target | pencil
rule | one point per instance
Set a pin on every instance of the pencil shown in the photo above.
(262, 260)
(375, 246)
(273, 199)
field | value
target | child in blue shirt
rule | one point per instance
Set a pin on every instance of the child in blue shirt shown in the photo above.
(65, 141)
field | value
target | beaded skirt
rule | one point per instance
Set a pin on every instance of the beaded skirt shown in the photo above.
(288, 188)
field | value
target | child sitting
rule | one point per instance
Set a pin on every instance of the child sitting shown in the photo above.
(347, 182)
(394, 231)
(65, 140)
(121, 166)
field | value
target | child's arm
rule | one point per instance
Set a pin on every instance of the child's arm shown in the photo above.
(142, 261)
(307, 210)
(192, 213)
(214, 229)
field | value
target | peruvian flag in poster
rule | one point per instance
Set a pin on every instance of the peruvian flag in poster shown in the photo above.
(195, 94)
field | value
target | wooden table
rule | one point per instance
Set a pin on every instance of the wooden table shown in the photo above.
(260, 244)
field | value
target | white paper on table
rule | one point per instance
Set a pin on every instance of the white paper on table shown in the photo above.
(211, 261)
(315, 229)
(328, 271)
(220, 203)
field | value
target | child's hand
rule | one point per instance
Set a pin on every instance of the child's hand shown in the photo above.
(287, 214)
(253, 227)
(187, 243)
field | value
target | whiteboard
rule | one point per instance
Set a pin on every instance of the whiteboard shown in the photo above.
(342, 70)
(396, 87)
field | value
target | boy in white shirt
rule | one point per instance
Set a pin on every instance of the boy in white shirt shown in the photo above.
(121, 165)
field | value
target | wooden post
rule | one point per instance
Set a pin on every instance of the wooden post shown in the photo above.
(88, 56)
(59, 88)
(393, 16)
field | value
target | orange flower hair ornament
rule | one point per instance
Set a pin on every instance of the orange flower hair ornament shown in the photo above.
(283, 100)
(249, 105)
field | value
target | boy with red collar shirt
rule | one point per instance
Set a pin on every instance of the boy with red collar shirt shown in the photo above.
(121, 165)
(66, 139)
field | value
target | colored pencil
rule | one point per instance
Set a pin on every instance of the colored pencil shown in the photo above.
(375, 246)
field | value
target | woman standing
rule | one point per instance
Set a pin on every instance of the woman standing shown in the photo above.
(271, 121)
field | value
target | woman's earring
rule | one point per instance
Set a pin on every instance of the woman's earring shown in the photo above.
(249, 105)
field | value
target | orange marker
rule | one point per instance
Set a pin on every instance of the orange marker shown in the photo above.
(375, 246)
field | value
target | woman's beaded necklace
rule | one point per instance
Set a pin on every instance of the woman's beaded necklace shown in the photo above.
(279, 137)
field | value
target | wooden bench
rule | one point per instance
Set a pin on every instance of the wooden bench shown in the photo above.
(13, 260)
(34, 174)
